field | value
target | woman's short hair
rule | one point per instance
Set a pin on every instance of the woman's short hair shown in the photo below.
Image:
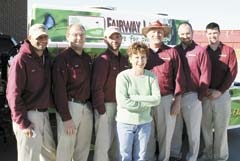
(136, 48)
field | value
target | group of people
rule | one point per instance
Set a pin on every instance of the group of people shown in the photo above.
(136, 103)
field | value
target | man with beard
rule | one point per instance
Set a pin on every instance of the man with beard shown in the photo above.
(71, 84)
(197, 70)
(105, 70)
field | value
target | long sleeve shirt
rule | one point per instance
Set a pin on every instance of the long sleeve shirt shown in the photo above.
(29, 84)
(197, 68)
(224, 67)
(105, 70)
(166, 65)
(71, 80)
(135, 97)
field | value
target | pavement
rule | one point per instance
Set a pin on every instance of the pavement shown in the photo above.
(8, 150)
(234, 144)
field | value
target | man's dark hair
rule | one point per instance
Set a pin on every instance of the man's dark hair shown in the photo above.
(213, 25)
(185, 23)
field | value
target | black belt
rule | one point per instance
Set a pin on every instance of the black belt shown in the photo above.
(77, 101)
(40, 109)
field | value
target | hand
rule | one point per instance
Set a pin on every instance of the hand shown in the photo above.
(214, 94)
(133, 97)
(69, 127)
(176, 106)
(29, 131)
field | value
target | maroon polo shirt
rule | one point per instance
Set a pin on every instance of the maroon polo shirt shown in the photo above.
(105, 70)
(29, 84)
(166, 65)
(71, 80)
(224, 67)
(197, 68)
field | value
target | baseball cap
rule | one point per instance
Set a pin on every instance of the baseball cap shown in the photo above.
(111, 30)
(37, 30)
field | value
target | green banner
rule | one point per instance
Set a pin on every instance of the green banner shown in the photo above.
(235, 107)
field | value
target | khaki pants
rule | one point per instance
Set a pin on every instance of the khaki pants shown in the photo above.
(42, 146)
(106, 144)
(191, 113)
(176, 145)
(75, 147)
(216, 115)
(162, 130)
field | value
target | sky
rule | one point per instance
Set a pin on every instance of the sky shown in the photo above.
(199, 12)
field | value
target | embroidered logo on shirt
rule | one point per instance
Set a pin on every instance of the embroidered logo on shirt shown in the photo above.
(223, 55)
(191, 55)
(114, 68)
(165, 58)
(33, 70)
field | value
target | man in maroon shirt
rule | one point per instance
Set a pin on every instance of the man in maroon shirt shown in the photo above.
(105, 70)
(197, 70)
(166, 64)
(71, 84)
(217, 105)
(29, 97)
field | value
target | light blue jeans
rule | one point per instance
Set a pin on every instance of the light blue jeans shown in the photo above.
(133, 140)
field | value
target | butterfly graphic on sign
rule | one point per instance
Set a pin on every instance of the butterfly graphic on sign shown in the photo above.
(49, 21)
